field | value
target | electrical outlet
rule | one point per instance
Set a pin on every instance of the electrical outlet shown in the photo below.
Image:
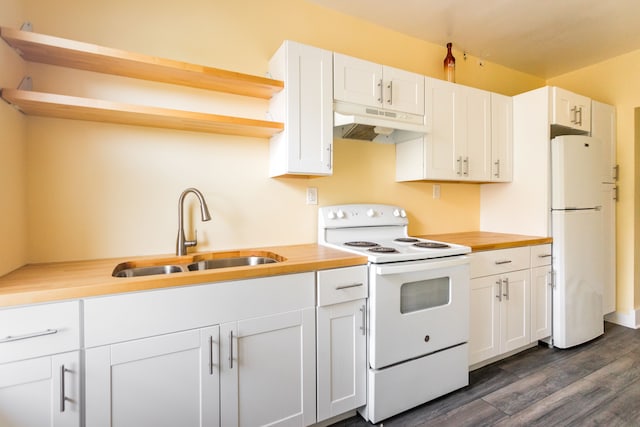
(312, 196)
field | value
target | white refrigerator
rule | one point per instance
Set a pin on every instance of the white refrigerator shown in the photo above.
(577, 227)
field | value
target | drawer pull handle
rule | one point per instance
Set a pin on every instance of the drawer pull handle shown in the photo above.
(544, 255)
(506, 261)
(11, 338)
(350, 285)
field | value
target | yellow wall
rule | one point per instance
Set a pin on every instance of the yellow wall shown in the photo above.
(98, 190)
(13, 157)
(616, 82)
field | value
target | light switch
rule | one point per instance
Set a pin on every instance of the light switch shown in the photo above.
(312, 196)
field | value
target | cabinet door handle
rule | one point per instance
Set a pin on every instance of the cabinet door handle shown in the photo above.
(390, 87)
(363, 328)
(615, 193)
(574, 111)
(349, 285)
(381, 89)
(210, 355)
(579, 116)
(499, 295)
(231, 349)
(466, 166)
(497, 163)
(330, 162)
(10, 338)
(616, 171)
(506, 287)
(544, 255)
(505, 261)
(459, 166)
(63, 399)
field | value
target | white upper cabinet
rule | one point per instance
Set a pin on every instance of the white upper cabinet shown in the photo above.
(306, 108)
(501, 138)
(366, 83)
(459, 145)
(570, 110)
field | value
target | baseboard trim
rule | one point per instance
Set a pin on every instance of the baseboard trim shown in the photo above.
(630, 319)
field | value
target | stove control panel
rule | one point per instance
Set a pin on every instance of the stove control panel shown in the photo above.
(361, 215)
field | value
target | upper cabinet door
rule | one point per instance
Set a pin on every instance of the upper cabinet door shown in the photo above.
(501, 138)
(477, 160)
(367, 83)
(357, 81)
(403, 91)
(570, 109)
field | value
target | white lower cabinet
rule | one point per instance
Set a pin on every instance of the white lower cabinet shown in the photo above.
(40, 372)
(341, 340)
(167, 380)
(44, 391)
(541, 290)
(267, 372)
(500, 303)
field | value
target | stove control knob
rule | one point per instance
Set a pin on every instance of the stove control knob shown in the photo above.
(331, 215)
(403, 213)
(396, 212)
(371, 213)
(340, 214)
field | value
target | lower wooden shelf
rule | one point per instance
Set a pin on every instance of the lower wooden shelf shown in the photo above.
(71, 107)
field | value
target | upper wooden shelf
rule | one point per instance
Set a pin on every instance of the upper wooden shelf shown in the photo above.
(68, 53)
(71, 107)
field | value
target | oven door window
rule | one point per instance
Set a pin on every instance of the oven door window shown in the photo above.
(425, 294)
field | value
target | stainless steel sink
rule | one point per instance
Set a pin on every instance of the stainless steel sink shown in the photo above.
(230, 262)
(123, 271)
(197, 262)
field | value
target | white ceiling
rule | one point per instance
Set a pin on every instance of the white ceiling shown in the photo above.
(545, 38)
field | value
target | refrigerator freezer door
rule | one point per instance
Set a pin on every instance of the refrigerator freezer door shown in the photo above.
(578, 263)
(575, 172)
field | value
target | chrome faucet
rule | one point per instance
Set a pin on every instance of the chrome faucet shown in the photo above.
(182, 243)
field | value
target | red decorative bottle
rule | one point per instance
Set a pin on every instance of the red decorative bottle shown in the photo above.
(450, 65)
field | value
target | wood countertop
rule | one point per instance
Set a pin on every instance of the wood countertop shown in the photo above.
(36, 283)
(486, 241)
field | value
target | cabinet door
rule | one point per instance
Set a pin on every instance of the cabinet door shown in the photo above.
(306, 108)
(356, 80)
(475, 147)
(515, 310)
(571, 110)
(167, 380)
(342, 365)
(442, 156)
(403, 91)
(44, 391)
(484, 316)
(501, 138)
(540, 302)
(268, 372)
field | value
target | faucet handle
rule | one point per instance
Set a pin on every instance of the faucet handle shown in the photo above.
(189, 243)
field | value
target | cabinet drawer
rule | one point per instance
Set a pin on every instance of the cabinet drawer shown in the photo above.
(499, 261)
(540, 255)
(39, 330)
(342, 284)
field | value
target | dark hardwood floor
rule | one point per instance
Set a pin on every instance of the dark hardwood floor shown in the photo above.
(594, 384)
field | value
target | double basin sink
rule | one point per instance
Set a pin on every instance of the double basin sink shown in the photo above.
(208, 261)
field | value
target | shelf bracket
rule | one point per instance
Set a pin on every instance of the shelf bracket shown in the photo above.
(27, 26)
(26, 84)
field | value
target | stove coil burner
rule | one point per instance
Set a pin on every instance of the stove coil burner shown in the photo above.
(406, 240)
(383, 250)
(431, 245)
(361, 244)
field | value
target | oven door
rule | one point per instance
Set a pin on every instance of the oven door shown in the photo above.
(417, 308)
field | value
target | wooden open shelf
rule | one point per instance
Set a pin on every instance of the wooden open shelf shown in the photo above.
(84, 56)
(70, 107)
(46, 49)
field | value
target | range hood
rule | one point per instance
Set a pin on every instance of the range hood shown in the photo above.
(353, 121)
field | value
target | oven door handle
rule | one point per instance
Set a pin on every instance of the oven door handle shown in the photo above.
(429, 265)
